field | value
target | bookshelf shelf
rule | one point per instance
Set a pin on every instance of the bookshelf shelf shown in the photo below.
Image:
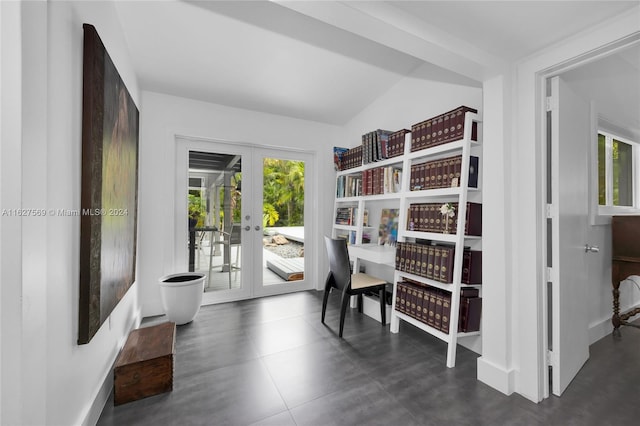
(422, 326)
(448, 159)
(345, 227)
(383, 255)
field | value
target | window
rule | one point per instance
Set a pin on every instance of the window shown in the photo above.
(617, 181)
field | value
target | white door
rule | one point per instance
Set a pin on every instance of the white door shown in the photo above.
(281, 184)
(569, 221)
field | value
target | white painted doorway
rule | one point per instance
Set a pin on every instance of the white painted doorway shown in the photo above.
(568, 121)
(230, 242)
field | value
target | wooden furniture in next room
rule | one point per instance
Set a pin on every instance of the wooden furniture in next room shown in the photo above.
(625, 250)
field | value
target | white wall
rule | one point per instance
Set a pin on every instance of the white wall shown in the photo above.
(162, 118)
(11, 388)
(55, 380)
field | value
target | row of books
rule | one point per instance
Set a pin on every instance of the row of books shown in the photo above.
(442, 173)
(429, 217)
(441, 129)
(432, 306)
(346, 216)
(396, 143)
(349, 236)
(436, 262)
(375, 146)
(348, 186)
(381, 180)
(346, 159)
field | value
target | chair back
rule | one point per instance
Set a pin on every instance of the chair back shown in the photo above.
(339, 264)
(235, 236)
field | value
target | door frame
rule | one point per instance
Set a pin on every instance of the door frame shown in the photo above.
(541, 78)
(184, 144)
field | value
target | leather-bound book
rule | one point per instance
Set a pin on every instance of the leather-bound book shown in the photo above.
(473, 223)
(432, 307)
(415, 137)
(470, 314)
(438, 166)
(456, 123)
(423, 218)
(446, 264)
(424, 261)
(419, 248)
(439, 128)
(472, 267)
(419, 302)
(438, 310)
(434, 211)
(457, 170)
(437, 254)
(473, 172)
(430, 257)
(469, 292)
(446, 119)
(407, 257)
(446, 311)
(398, 292)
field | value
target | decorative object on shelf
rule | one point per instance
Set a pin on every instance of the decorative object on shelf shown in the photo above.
(448, 211)
(388, 230)
(338, 155)
(109, 191)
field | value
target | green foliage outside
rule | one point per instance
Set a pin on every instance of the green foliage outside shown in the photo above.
(197, 209)
(283, 195)
(283, 192)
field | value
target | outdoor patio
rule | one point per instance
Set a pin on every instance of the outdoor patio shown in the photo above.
(220, 279)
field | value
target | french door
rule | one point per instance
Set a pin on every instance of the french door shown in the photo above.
(241, 218)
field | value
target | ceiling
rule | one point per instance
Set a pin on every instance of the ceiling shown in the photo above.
(326, 61)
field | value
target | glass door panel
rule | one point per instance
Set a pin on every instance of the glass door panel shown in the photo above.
(283, 191)
(210, 194)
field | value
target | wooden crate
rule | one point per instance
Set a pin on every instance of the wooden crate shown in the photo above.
(145, 364)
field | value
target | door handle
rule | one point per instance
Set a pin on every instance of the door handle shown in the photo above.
(247, 228)
(591, 249)
(257, 228)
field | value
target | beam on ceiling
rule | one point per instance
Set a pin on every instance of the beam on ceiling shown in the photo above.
(394, 28)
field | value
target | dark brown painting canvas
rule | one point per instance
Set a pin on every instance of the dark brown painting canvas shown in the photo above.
(109, 188)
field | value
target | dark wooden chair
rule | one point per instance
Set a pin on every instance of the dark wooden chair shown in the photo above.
(341, 278)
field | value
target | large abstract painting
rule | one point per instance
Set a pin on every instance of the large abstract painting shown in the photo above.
(108, 224)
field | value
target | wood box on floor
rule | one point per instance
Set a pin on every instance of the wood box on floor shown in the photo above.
(145, 364)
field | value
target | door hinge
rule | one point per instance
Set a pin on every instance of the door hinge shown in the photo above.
(552, 359)
(549, 274)
(549, 211)
(551, 103)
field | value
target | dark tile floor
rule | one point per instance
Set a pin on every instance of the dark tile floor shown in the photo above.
(270, 362)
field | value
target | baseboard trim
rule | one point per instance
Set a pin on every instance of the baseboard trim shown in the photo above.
(496, 376)
(105, 389)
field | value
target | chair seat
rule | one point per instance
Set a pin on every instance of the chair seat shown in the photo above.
(361, 280)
